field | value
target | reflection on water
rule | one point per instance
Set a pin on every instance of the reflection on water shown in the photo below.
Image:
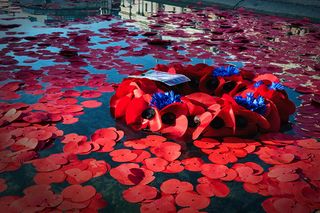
(138, 9)
(48, 11)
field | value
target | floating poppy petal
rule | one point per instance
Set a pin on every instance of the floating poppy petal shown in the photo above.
(78, 193)
(49, 177)
(91, 104)
(139, 193)
(192, 199)
(214, 171)
(123, 155)
(193, 164)
(175, 186)
(156, 164)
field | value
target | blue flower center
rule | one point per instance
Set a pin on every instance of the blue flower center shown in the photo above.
(273, 86)
(251, 103)
(225, 71)
(161, 100)
(276, 86)
(258, 84)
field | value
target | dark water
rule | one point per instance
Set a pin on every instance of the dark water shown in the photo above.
(47, 17)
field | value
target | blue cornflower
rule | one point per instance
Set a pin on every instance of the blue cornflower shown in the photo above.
(258, 84)
(225, 71)
(254, 104)
(160, 100)
(276, 86)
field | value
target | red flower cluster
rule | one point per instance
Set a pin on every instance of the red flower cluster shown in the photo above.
(41, 198)
(217, 102)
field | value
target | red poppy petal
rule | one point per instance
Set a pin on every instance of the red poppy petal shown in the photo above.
(214, 171)
(206, 143)
(178, 129)
(156, 164)
(49, 177)
(192, 199)
(91, 104)
(205, 120)
(123, 155)
(78, 193)
(193, 164)
(175, 186)
(135, 109)
(139, 193)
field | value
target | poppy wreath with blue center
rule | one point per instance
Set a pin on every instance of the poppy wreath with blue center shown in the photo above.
(217, 102)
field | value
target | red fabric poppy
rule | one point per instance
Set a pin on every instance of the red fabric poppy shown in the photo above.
(105, 145)
(222, 157)
(266, 78)
(141, 156)
(174, 167)
(192, 199)
(40, 135)
(107, 133)
(213, 188)
(10, 116)
(154, 140)
(174, 120)
(126, 91)
(91, 104)
(45, 165)
(78, 193)
(69, 119)
(136, 144)
(246, 121)
(49, 177)
(90, 94)
(283, 174)
(175, 186)
(96, 203)
(209, 84)
(75, 148)
(118, 106)
(68, 205)
(141, 116)
(248, 172)
(123, 155)
(38, 197)
(201, 99)
(139, 193)
(275, 156)
(73, 137)
(193, 164)
(206, 143)
(25, 144)
(283, 204)
(214, 171)
(156, 164)
(163, 205)
(309, 143)
(78, 176)
(97, 168)
(204, 120)
(131, 174)
(168, 150)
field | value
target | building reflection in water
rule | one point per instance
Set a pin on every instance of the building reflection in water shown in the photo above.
(51, 11)
(48, 11)
(136, 9)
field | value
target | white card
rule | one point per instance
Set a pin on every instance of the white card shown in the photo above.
(164, 77)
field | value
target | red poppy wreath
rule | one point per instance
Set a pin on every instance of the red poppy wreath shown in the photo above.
(214, 102)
